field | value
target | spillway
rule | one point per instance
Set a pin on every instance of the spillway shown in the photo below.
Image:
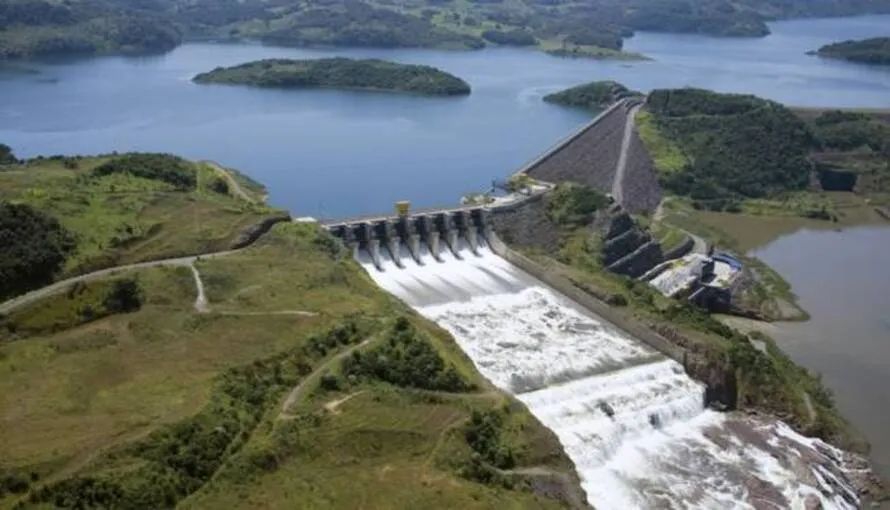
(634, 424)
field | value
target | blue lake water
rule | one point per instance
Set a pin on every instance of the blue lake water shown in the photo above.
(331, 153)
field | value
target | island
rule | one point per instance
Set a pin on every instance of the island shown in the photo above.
(875, 50)
(340, 73)
(597, 95)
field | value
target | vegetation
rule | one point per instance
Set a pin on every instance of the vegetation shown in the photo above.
(875, 50)
(164, 406)
(342, 73)
(6, 155)
(566, 27)
(81, 304)
(596, 95)
(573, 206)
(853, 152)
(406, 360)
(515, 37)
(722, 149)
(42, 27)
(71, 215)
(35, 248)
(158, 167)
(739, 374)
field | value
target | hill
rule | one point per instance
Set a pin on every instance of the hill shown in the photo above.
(867, 51)
(64, 216)
(274, 376)
(342, 73)
(597, 95)
(853, 152)
(722, 150)
(40, 27)
(567, 27)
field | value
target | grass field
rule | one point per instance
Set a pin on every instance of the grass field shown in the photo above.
(119, 219)
(666, 155)
(82, 401)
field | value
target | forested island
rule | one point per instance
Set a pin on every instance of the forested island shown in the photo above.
(875, 50)
(596, 95)
(593, 28)
(340, 73)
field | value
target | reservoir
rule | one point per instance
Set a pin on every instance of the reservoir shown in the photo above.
(841, 278)
(334, 154)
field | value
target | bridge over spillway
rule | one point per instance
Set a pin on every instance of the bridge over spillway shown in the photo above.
(416, 235)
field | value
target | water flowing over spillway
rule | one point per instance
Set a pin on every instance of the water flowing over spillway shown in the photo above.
(631, 420)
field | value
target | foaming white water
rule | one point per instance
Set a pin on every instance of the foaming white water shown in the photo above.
(632, 421)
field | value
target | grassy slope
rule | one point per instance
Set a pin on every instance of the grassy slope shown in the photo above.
(120, 219)
(70, 397)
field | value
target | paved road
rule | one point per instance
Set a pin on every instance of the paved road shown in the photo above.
(621, 166)
(61, 285)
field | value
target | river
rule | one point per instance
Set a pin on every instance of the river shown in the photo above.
(330, 153)
(841, 278)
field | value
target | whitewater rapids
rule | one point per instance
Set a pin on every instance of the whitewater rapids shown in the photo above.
(634, 424)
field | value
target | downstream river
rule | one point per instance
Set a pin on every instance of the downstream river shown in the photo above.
(841, 278)
(332, 154)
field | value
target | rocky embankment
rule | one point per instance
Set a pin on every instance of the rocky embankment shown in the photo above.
(590, 158)
(642, 191)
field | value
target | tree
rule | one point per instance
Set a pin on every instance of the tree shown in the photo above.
(6, 155)
(125, 296)
(35, 246)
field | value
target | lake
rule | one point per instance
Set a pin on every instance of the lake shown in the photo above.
(332, 154)
(841, 278)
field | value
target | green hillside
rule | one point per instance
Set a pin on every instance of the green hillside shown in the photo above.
(70, 215)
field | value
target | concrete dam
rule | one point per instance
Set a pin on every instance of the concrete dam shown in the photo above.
(633, 422)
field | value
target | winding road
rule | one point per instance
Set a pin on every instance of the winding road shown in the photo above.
(59, 286)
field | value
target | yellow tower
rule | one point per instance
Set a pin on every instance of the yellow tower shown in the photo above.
(402, 207)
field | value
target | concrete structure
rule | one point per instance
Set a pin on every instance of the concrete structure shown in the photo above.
(704, 280)
(413, 235)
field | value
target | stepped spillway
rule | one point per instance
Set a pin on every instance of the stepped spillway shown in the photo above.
(631, 420)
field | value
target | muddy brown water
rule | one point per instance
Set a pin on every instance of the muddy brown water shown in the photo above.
(842, 279)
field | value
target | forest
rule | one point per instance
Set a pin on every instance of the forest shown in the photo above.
(41, 27)
(345, 73)
(875, 50)
(35, 246)
(596, 95)
(735, 146)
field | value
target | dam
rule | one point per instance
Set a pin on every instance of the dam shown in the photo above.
(633, 422)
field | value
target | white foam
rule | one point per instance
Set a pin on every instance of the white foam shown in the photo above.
(632, 421)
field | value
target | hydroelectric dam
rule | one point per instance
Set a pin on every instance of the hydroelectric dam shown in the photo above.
(633, 422)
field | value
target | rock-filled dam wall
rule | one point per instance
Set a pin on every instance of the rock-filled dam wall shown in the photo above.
(589, 157)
